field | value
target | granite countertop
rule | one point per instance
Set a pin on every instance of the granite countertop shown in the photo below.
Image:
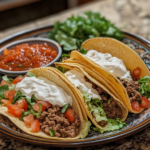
(132, 16)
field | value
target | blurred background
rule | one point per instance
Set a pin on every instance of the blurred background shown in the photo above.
(15, 12)
(19, 15)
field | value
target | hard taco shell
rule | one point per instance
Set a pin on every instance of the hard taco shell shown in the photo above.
(116, 49)
(86, 73)
(50, 74)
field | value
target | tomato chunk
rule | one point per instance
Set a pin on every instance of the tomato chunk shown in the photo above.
(35, 126)
(22, 104)
(144, 103)
(11, 94)
(28, 119)
(17, 79)
(3, 82)
(6, 94)
(137, 72)
(6, 102)
(135, 106)
(14, 110)
(44, 104)
(69, 114)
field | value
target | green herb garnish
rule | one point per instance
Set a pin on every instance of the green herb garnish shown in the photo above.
(2, 89)
(19, 65)
(83, 51)
(8, 80)
(52, 133)
(62, 69)
(31, 74)
(18, 96)
(139, 100)
(75, 30)
(9, 64)
(65, 55)
(33, 98)
(64, 108)
(25, 113)
(109, 101)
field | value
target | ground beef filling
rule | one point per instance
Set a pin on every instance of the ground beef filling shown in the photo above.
(110, 107)
(132, 89)
(53, 118)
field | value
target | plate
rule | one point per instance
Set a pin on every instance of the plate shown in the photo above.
(135, 122)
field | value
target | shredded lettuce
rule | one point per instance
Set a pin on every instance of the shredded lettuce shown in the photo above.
(144, 88)
(8, 80)
(96, 107)
(84, 132)
(62, 69)
(31, 74)
(2, 89)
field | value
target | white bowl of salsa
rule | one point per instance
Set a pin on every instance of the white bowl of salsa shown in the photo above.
(20, 56)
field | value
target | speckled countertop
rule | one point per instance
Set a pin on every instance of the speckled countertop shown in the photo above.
(129, 15)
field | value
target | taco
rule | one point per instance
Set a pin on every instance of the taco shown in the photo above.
(42, 104)
(120, 69)
(104, 110)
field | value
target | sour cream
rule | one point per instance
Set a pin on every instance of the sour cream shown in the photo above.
(112, 64)
(43, 89)
(79, 81)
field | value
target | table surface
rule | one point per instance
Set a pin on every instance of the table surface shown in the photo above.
(128, 15)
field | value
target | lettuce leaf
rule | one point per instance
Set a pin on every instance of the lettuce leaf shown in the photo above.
(75, 30)
(2, 89)
(144, 88)
(8, 80)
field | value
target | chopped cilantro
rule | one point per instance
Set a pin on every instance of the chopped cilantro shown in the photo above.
(64, 108)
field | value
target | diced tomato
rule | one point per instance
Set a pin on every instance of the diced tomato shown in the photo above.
(44, 104)
(14, 110)
(9, 58)
(3, 82)
(28, 119)
(6, 102)
(135, 106)
(5, 51)
(69, 114)
(11, 94)
(18, 112)
(6, 94)
(17, 79)
(22, 104)
(36, 107)
(137, 72)
(35, 126)
(54, 54)
(144, 103)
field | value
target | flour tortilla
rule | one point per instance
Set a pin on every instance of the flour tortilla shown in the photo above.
(50, 74)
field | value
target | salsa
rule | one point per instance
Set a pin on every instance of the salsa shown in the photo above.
(25, 57)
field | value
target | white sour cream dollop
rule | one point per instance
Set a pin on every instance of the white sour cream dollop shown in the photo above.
(45, 90)
(112, 64)
(79, 81)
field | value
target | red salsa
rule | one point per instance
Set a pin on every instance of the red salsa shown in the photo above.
(25, 57)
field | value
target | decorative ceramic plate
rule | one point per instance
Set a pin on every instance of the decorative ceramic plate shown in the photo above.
(135, 122)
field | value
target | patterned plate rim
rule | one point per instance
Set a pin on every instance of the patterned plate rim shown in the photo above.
(94, 141)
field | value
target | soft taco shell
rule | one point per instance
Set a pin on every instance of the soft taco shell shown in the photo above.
(50, 74)
(116, 49)
(94, 80)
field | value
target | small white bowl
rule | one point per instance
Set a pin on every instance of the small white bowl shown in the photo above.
(31, 41)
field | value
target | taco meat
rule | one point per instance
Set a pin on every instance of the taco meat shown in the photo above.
(132, 89)
(62, 127)
(110, 107)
